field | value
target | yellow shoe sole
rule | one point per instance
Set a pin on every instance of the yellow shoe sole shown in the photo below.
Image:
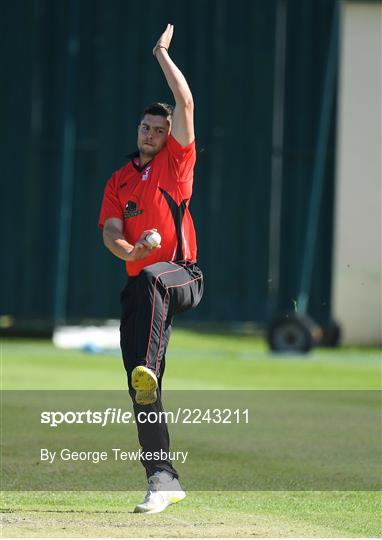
(140, 509)
(177, 498)
(145, 384)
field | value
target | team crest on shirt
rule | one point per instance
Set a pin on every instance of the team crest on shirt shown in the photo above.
(131, 209)
(146, 173)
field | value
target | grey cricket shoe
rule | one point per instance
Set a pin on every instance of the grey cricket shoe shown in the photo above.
(163, 490)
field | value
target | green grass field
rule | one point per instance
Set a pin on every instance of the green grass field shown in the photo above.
(194, 361)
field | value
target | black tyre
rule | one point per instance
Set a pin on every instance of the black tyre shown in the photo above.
(291, 332)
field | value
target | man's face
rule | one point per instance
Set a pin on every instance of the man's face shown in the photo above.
(152, 134)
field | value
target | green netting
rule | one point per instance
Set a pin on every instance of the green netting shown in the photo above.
(227, 52)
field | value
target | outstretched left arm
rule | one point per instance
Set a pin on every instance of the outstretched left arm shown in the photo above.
(183, 118)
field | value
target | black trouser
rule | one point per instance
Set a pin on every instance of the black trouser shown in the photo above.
(149, 303)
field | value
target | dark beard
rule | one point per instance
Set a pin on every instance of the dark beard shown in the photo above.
(143, 152)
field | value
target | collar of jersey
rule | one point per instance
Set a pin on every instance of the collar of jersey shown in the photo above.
(132, 157)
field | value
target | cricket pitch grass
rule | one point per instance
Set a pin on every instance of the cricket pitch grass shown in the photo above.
(194, 362)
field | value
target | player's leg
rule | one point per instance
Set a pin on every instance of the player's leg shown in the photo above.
(164, 289)
(152, 437)
(163, 484)
(160, 291)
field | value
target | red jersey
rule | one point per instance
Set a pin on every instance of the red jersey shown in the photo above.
(155, 196)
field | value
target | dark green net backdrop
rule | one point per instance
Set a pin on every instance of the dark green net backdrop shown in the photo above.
(227, 52)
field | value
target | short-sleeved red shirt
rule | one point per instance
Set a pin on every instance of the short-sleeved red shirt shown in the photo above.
(155, 196)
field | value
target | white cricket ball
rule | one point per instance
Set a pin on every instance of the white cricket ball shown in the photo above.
(154, 239)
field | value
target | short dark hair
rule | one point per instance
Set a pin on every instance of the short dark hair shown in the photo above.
(159, 109)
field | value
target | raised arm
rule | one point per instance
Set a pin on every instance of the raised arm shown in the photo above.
(182, 127)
